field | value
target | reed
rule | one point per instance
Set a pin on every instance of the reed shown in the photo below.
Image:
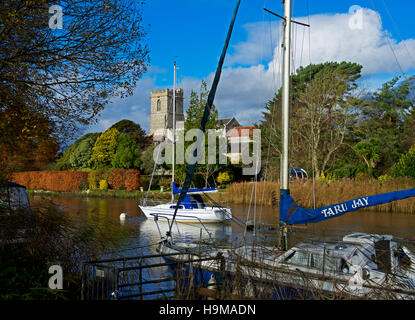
(326, 193)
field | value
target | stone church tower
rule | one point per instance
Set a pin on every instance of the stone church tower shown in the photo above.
(161, 102)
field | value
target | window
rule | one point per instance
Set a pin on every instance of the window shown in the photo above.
(330, 264)
(158, 105)
(316, 261)
(297, 258)
(333, 264)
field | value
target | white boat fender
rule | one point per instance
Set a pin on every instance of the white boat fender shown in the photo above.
(123, 216)
(212, 284)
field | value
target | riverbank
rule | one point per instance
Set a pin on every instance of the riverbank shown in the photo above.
(123, 194)
(326, 192)
(267, 193)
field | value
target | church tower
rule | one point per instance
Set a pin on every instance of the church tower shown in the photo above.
(161, 102)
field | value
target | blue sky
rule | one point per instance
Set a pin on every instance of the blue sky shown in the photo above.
(192, 32)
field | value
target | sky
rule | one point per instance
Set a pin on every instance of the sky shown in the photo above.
(378, 34)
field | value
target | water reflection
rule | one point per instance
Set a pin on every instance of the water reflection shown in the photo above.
(105, 213)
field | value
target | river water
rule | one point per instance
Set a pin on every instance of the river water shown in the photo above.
(144, 232)
(143, 235)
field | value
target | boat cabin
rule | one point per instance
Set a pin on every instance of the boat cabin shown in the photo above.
(374, 252)
(191, 201)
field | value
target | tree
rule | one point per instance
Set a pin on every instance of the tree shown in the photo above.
(65, 77)
(405, 167)
(127, 154)
(322, 103)
(68, 161)
(385, 116)
(134, 130)
(147, 160)
(28, 140)
(104, 150)
(34, 155)
(82, 153)
(369, 151)
(326, 111)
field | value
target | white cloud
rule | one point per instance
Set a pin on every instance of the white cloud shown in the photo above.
(358, 37)
(243, 91)
(247, 83)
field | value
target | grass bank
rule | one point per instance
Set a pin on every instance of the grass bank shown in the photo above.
(326, 193)
(123, 194)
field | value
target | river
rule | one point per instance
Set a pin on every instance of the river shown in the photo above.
(108, 210)
(143, 234)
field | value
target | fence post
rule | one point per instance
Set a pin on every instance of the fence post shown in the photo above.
(83, 282)
(223, 275)
(140, 280)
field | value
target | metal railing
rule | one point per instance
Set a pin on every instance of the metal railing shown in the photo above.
(166, 216)
(125, 278)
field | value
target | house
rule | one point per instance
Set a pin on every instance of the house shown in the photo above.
(239, 138)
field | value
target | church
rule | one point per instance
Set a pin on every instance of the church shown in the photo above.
(161, 115)
(161, 122)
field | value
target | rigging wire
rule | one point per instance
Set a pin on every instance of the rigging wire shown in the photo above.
(396, 29)
(390, 44)
(402, 41)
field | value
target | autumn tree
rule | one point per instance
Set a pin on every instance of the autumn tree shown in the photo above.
(65, 76)
(27, 144)
(104, 150)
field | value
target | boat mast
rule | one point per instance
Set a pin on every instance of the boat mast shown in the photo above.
(284, 180)
(174, 131)
(284, 177)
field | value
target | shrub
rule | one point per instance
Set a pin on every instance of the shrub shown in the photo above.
(132, 179)
(405, 167)
(223, 177)
(94, 178)
(116, 179)
(103, 185)
(51, 180)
